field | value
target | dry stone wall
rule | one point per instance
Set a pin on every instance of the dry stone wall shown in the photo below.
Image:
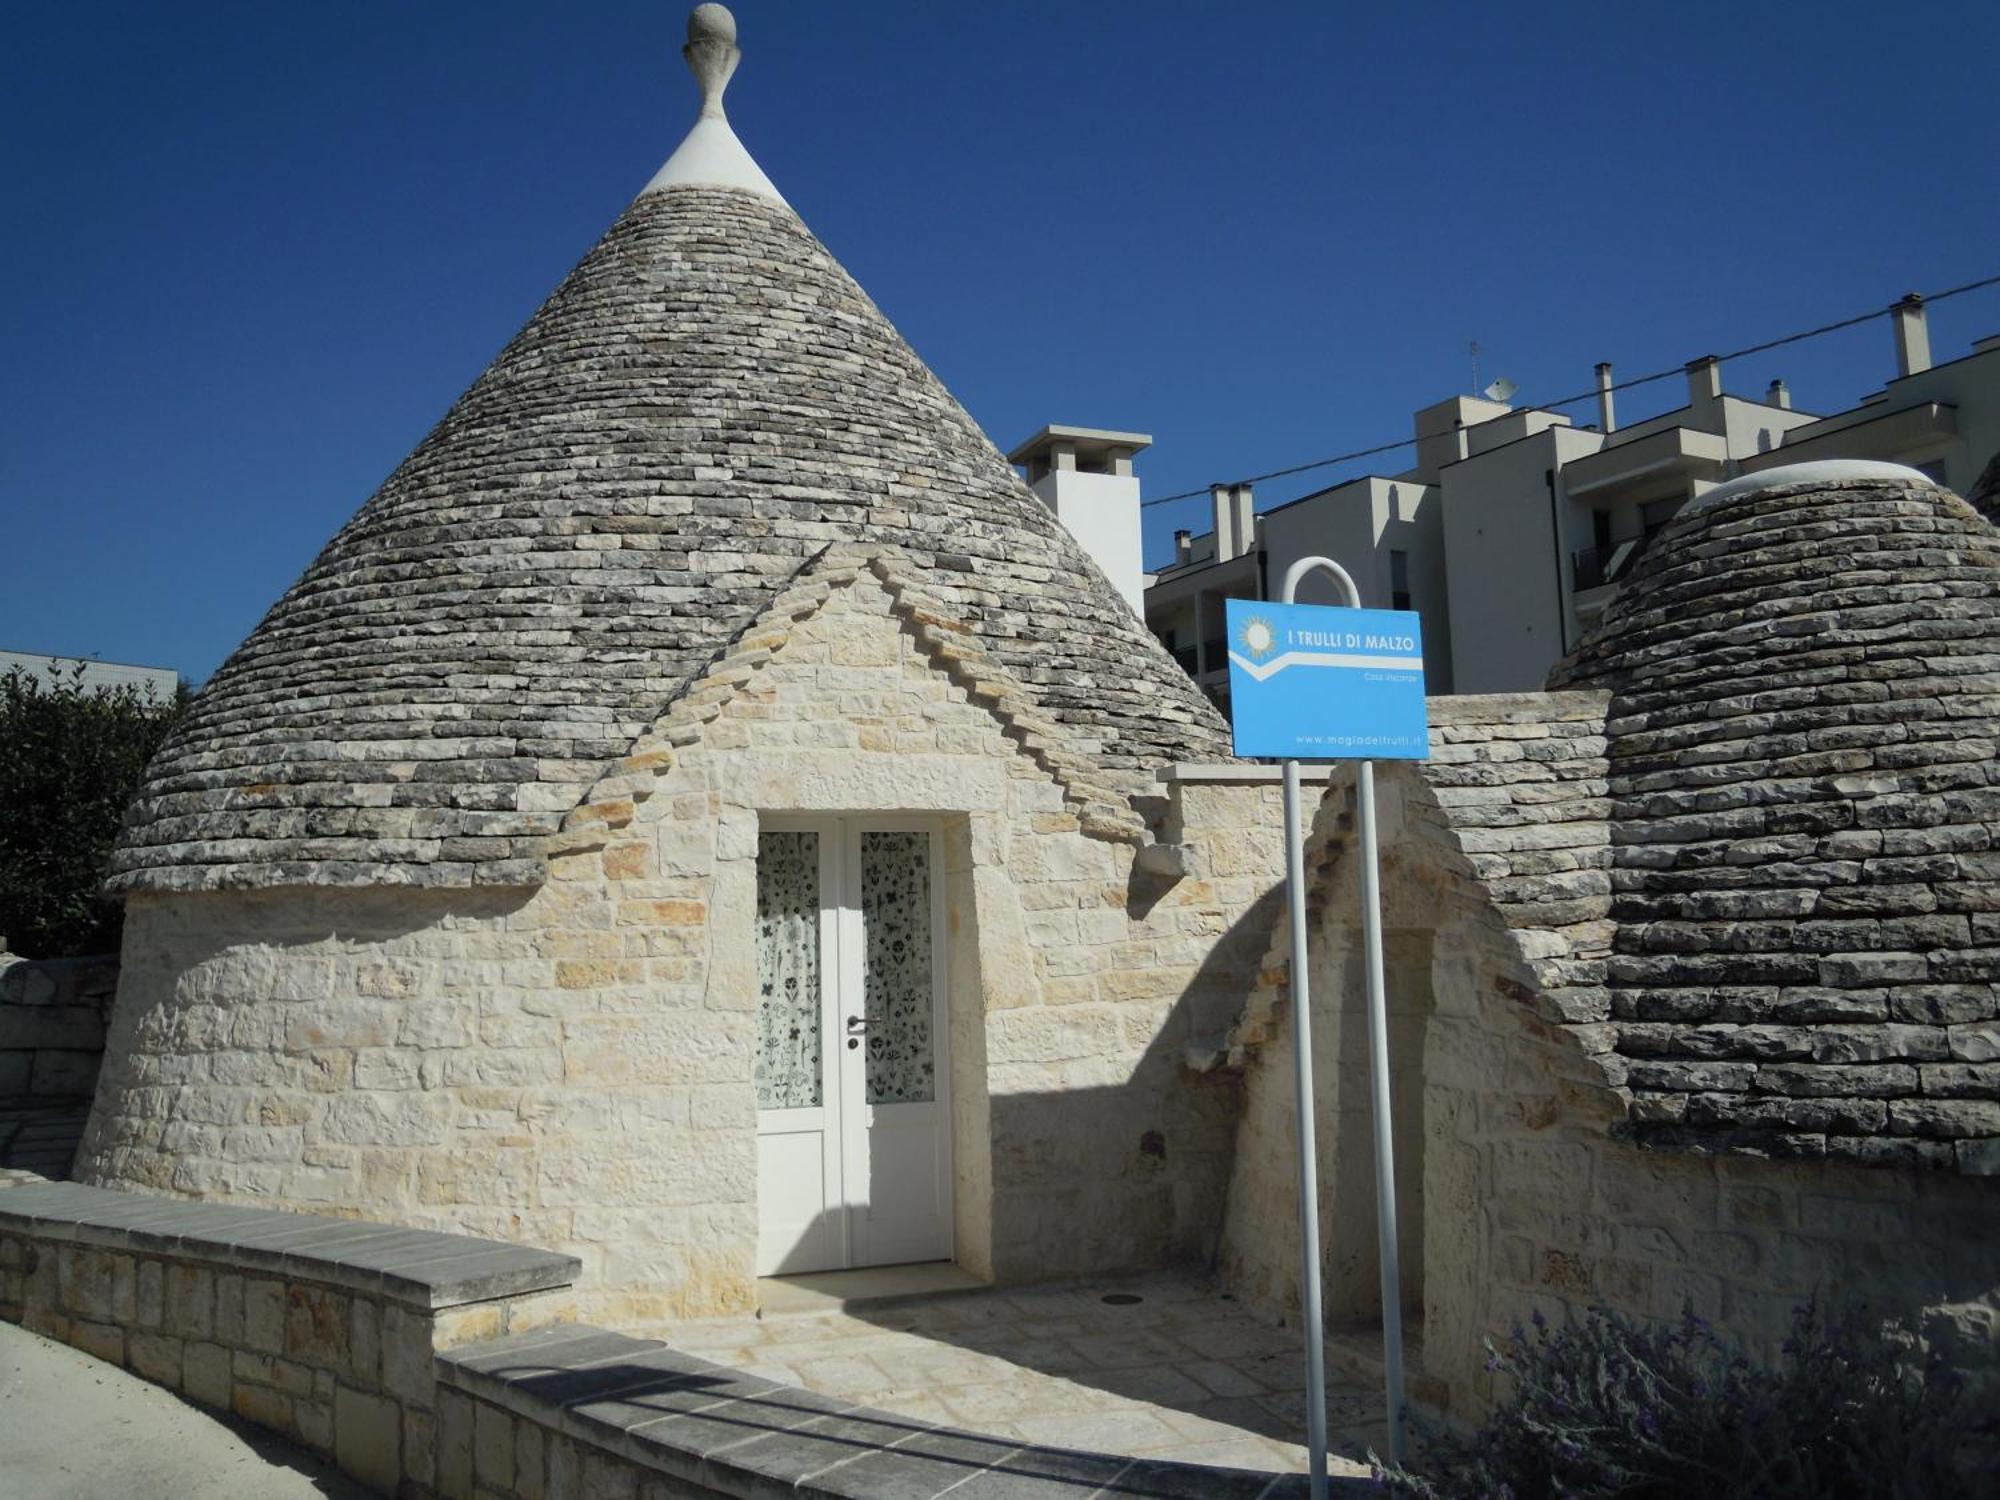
(322, 1331)
(52, 1019)
(571, 1066)
(1528, 1198)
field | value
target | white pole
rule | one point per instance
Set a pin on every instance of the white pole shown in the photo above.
(1295, 895)
(1385, 1160)
(1378, 1056)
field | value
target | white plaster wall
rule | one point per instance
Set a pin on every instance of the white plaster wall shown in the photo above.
(1505, 562)
(1358, 525)
(571, 1066)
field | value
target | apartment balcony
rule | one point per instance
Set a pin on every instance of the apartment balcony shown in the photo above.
(1240, 577)
(1659, 463)
(1910, 434)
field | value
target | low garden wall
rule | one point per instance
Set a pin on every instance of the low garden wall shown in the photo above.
(324, 1330)
(426, 1364)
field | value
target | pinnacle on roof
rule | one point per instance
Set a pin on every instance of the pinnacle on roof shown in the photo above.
(711, 155)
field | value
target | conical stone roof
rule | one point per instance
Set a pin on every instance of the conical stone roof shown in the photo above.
(706, 403)
(1805, 821)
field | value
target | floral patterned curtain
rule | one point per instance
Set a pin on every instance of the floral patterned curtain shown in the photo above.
(788, 978)
(896, 966)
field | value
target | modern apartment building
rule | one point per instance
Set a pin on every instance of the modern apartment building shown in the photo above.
(1514, 527)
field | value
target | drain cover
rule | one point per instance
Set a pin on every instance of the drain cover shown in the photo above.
(1122, 1299)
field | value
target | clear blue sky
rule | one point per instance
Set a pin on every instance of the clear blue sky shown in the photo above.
(254, 250)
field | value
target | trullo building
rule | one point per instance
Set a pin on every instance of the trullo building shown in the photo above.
(705, 813)
(693, 814)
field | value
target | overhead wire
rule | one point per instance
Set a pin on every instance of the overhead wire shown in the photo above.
(1594, 392)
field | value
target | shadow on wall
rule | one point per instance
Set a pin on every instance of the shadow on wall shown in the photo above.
(1133, 1175)
(1342, 1062)
(1533, 1202)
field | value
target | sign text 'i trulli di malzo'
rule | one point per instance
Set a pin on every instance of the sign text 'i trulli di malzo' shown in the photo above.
(1321, 683)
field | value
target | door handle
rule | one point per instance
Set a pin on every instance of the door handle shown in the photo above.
(857, 1023)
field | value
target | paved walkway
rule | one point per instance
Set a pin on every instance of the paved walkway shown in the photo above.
(75, 1428)
(1156, 1366)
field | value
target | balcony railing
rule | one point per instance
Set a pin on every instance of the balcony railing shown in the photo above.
(1594, 567)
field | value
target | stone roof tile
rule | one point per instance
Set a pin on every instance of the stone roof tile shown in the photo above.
(1801, 816)
(703, 405)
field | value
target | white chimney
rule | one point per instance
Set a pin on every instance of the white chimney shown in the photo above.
(1913, 335)
(1778, 396)
(1222, 509)
(1607, 416)
(1183, 547)
(1704, 380)
(1084, 475)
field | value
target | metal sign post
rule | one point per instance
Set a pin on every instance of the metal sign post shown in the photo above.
(1358, 695)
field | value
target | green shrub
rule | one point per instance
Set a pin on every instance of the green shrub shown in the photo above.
(1607, 1407)
(70, 761)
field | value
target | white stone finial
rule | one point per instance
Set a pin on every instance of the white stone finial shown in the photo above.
(712, 53)
(711, 156)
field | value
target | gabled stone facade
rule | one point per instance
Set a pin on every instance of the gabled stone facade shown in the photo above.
(571, 1066)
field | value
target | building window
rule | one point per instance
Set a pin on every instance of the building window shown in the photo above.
(1399, 580)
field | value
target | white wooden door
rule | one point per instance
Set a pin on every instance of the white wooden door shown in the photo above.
(853, 1122)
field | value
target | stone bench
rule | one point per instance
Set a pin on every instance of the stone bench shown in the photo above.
(324, 1330)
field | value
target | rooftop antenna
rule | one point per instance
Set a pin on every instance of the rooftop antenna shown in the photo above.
(1472, 348)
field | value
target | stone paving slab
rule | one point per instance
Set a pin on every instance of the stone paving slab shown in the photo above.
(1182, 1375)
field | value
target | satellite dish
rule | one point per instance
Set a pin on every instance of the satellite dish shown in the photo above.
(1501, 390)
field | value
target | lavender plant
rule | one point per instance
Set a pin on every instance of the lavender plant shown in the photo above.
(1604, 1406)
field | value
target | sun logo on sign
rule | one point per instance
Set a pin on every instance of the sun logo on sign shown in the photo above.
(1257, 638)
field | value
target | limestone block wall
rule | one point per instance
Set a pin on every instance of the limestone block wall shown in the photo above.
(570, 1065)
(52, 1019)
(1531, 1199)
(325, 1332)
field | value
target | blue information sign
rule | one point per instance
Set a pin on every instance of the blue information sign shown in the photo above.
(1315, 682)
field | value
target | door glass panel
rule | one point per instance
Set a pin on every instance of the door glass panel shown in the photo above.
(788, 981)
(896, 966)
